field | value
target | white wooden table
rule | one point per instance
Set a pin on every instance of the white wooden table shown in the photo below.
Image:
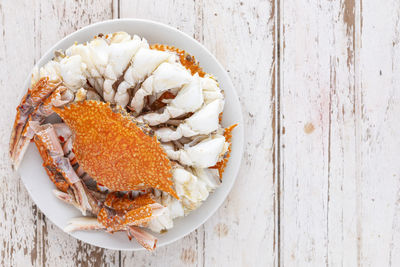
(319, 84)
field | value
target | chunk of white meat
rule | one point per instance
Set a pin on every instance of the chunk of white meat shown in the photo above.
(142, 65)
(51, 69)
(188, 99)
(211, 90)
(204, 121)
(193, 187)
(190, 189)
(121, 50)
(166, 76)
(99, 54)
(93, 76)
(174, 209)
(210, 177)
(202, 155)
(72, 71)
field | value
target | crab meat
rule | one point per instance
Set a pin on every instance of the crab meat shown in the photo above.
(92, 74)
(204, 121)
(211, 90)
(121, 49)
(189, 99)
(142, 65)
(174, 209)
(72, 71)
(202, 155)
(167, 76)
(50, 71)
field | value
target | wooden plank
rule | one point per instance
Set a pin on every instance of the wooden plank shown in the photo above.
(318, 142)
(241, 35)
(18, 215)
(378, 131)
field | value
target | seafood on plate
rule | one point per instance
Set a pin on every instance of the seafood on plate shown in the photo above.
(138, 140)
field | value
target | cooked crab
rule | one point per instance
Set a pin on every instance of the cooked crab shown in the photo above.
(140, 142)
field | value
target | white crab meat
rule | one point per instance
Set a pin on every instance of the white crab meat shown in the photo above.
(72, 71)
(166, 76)
(99, 54)
(92, 74)
(188, 187)
(204, 121)
(211, 90)
(188, 99)
(210, 177)
(51, 70)
(121, 50)
(142, 65)
(174, 209)
(202, 155)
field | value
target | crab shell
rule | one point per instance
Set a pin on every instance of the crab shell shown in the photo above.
(188, 61)
(119, 212)
(113, 150)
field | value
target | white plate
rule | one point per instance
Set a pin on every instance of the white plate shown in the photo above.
(40, 187)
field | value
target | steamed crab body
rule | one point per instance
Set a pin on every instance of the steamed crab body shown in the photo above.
(107, 141)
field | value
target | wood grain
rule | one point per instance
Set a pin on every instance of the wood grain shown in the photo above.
(339, 178)
(378, 133)
(319, 86)
(318, 144)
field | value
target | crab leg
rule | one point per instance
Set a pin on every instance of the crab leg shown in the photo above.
(40, 91)
(54, 161)
(120, 214)
(147, 240)
(83, 223)
(63, 131)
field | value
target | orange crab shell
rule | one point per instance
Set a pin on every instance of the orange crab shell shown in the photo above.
(127, 211)
(48, 165)
(188, 61)
(114, 150)
(222, 163)
(125, 202)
